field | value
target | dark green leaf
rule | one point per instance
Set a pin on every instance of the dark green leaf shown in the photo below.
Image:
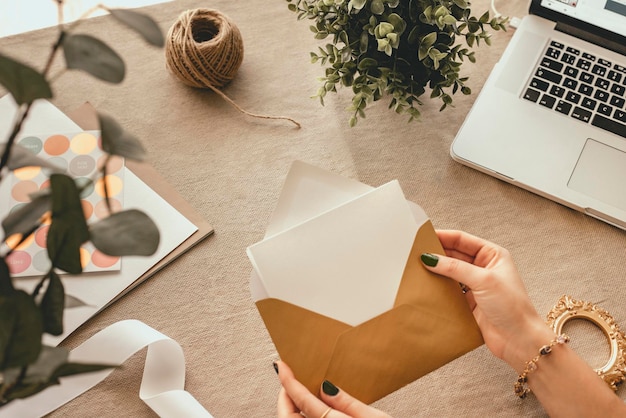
(52, 306)
(377, 7)
(8, 317)
(68, 230)
(24, 344)
(6, 284)
(26, 218)
(84, 52)
(367, 63)
(130, 232)
(24, 83)
(116, 141)
(22, 157)
(142, 24)
(71, 369)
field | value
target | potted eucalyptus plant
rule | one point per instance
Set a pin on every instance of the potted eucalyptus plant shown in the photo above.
(395, 49)
(26, 365)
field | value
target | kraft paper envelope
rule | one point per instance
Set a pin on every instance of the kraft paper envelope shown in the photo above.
(428, 325)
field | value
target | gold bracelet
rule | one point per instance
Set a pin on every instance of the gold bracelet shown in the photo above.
(520, 385)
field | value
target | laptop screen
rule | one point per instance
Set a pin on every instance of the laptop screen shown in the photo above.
(606, 14)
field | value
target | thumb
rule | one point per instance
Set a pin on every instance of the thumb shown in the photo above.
(453, 268)
(343, 402)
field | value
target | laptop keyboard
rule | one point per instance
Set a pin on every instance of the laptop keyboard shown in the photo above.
(582, 86)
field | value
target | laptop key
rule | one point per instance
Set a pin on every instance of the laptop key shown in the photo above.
(585, 89)
(620, 115)
(549, 75)
(583, 64)
(539, 84)
(557, 91)
(532, 95)
(617, 89)
(603, 83)
(601, 95)
(571, 71)
(547, 101)
(568, 58)
(581, 114)
(572, 51)
(617, 101)
(557, 44)
(615, 76)
(586, 77)
(563, 107)
(605, 109)
(570, 83)
(609, 125)
(604, 62)
(588, 56)
(588, 103)
(551, 64)
(553, 53)
(599, 70)
(572, 97)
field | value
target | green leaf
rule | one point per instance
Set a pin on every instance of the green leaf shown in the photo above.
(22, 157)
(24, 343)
(130, 232)
(428, 40)
(357, 4)
(68, 230)
(52, 305)
(26, 218)
(377, 7)
(117, 141)
(398, 23)
(24, 83)
(142, 24)
(71, 369)
(367, 63)
(86, 53)
(462, 4)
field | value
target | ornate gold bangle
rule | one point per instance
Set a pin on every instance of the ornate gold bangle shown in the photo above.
(567, 308)
(520, 387)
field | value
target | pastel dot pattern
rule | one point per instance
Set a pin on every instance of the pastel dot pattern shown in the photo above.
(80, 155)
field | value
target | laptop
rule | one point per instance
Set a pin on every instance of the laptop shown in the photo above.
(551, 117)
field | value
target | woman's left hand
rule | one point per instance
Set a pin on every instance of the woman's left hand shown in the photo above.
(295, 399)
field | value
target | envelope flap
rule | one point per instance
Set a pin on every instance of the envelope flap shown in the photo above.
(386, 353)
(303, 338)
(420, 287)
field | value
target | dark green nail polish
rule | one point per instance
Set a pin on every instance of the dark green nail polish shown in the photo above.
(430, 259)
(329, 388)
(275, 366)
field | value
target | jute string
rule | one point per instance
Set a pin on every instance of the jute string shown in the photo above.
(204, 49)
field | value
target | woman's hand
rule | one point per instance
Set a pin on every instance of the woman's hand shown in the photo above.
(511, 327)
(294, 399)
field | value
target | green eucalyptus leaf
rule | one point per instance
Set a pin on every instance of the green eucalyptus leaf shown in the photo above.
(367, 63)
(24, 83)
(117, 141)
(377, 7)
(462, 4)
(22, 157)
(130, 232)
(142, 24)
(72, 369)
(24, 343)
(68, 230)
(52, 305)
(398, 23)
(89, 54)
(429, 40)
(357, 4)
(26, 218)
(6, 284)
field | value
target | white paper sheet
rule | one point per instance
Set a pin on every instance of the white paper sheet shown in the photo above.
(345, 263)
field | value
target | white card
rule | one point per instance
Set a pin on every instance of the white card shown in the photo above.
(345, 263)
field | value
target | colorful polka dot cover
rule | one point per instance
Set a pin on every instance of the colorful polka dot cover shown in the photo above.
(81, 156)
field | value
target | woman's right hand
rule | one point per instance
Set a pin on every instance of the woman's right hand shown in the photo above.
(510, 325)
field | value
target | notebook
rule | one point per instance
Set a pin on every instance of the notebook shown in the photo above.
(551, 117)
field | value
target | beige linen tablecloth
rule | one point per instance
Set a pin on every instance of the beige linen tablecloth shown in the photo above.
(231, 167)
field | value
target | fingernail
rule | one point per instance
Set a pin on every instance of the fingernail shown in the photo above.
(275, 366)
(329, 389)
(429, 259)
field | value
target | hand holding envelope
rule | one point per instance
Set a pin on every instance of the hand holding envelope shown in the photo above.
(339, 284)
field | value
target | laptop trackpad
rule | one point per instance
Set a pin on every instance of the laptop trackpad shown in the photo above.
(600, 173)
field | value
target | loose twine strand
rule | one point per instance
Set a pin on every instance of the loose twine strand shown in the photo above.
(204, 49)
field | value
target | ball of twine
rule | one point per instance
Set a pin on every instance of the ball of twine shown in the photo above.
(204, 49)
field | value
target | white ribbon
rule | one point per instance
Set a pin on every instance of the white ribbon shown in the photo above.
(162, 385)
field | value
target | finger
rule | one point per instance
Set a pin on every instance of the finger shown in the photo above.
(340, 401)
(303, 400)
(453, 268)
(461, 242)
(285, 406)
